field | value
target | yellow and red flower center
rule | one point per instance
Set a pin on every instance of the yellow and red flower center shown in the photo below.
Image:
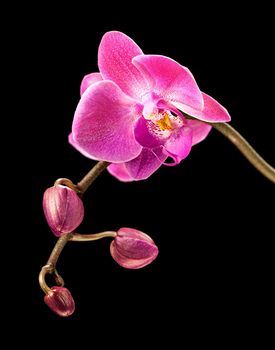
(163, 123)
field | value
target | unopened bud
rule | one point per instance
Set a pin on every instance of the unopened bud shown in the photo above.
(133, 249)
(60, 301)
(63, 209)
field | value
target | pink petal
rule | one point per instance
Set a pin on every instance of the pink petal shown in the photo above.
(178, 146)
(115, 54)
(103, 124)
(88, 80)
(199, 130)
(212, 111)
(120, 172)
(139, 168)
(146, 163)
(170, 80)
(77, 147)
(143, 137)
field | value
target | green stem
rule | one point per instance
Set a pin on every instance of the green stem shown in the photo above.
(246, 149)
(60, 244)
(92, 237)
(88, 179)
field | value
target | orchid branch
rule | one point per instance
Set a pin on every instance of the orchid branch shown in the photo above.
(132, 119)
(58, 298)
(228, 131)
(246, 149)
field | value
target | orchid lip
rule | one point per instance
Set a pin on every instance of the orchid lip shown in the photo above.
(158, 123)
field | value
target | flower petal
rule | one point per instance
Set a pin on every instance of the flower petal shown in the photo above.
(170, 80)
(146, 163)
(212, 111)
(199, 130)
(120, 172)
(115, 54)
(143, 137)
(139, 168)
(179, 145)
(77, 146)
(88, 80)
(103, 124)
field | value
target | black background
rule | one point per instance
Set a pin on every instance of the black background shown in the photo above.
(212, 216)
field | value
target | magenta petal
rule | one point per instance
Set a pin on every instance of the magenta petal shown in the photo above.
(115, 54)
(146, 163)
(179, 145)
(77, 147)
(103, 124)
(170, 80)
(200, 130)
(120, 172)
(88, 80)
(212, 111)
(143, 137)
(139, 168)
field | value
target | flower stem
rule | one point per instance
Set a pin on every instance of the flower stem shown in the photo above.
(92, 237)
(246, 149)
(88, 179)
(81, 187)
(60, 244)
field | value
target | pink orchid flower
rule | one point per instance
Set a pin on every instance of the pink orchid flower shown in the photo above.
(132, 113)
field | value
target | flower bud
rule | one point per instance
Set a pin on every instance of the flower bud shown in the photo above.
(60, 301)
(63, 209)
(133, 249)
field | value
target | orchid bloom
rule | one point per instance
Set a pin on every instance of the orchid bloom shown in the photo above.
(132, 113)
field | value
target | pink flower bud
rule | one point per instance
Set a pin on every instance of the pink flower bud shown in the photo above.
(63, 209)
(133, 249)
(60, 301)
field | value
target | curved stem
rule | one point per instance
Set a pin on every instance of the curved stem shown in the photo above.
(92, 237)
(81, 187)
(51, 270)
(43, 285)
(66, 182)
(246, 149)
(60, 244)
(88, 179)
